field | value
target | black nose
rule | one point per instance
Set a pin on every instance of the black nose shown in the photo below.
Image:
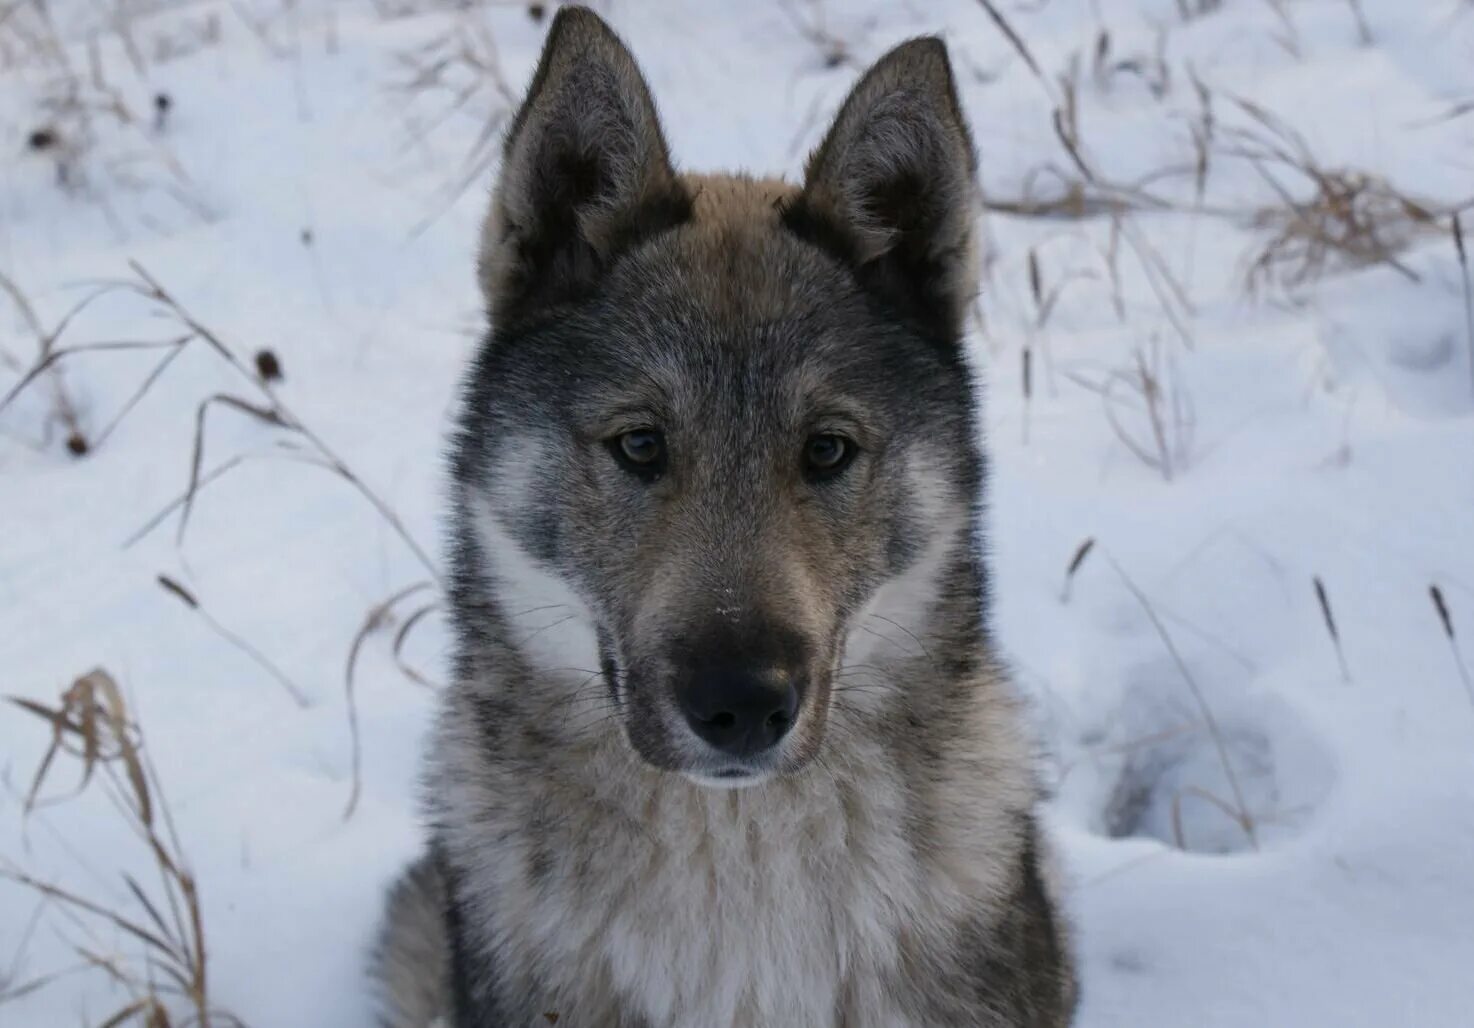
(740, 712)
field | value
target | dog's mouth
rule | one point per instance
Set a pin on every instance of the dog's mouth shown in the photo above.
(729, 777)
(733, 772)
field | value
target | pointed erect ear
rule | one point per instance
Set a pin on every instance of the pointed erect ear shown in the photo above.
(891, 191)
(585, 173)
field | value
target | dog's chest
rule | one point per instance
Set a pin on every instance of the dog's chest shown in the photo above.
(733, 909)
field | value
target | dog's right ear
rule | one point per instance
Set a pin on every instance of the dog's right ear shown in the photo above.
(585, 173)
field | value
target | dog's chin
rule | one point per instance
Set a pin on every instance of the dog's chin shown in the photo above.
(705, 772)
(688, 758)
(728, 778)
(717, 774)
(738, 774)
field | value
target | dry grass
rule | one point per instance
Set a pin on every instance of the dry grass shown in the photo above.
(51, 354)
(1446, 622)
(28, 36)
(190, 600)
(382, 617)
(1238, 811)
(164, 969)
(63, 407)
(1324, 219)
(1148, 409)
(1076, 561)
(1328, 617)
(269, 410)
(1189, 10)
(264, 405)
(102, 139)
(1363, 29)
(811, 21)
(1328, 219)
(302, 445)
(1150, 68)
(1468, 290)
(457, 73)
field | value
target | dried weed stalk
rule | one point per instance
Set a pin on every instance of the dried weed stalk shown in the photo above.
(269, 409)
(1463, 254)
(63, 407)
(168, 984)
(1346, 218)
(1150, 410)
(1446, 622)
(92, 134)
(813, 25)
(1076, 561)
(1239, 811)
(458, 71)
(1188, 10)
(190, 600)
(1323, 600)
(382, 617)
(300, 445)
(265, 407)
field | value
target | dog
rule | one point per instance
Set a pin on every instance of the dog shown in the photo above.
(727, 741)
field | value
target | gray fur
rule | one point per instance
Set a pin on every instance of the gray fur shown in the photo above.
(884, 865)
(412, 963)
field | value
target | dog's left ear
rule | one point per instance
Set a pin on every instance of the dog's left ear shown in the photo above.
(891, 188)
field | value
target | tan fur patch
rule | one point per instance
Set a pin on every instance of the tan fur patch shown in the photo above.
(735, 232)
(728, 205)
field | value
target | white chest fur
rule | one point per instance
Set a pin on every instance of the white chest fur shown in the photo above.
(784, 904)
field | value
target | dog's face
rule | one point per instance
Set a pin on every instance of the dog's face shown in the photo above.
(722, 425)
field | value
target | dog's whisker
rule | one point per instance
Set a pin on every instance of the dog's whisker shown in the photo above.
(920, 646)
(539, 631)
(538, 610)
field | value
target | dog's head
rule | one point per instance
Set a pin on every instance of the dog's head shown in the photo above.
(717, 458)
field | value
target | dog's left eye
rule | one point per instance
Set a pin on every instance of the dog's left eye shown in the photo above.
(827, 454)
(641, 452)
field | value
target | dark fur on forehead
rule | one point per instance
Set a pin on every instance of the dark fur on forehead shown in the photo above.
(890, 189)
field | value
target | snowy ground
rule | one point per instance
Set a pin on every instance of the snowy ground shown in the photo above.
(301, 197)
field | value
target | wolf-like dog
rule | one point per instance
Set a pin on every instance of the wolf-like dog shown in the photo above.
(727, 743)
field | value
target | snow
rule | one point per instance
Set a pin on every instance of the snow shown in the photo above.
(1327, 433)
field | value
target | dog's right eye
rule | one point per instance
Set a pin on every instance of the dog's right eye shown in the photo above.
(641, 452)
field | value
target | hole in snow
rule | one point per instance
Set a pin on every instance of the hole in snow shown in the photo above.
(1164, 774)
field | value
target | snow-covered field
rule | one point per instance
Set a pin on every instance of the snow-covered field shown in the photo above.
(1257, 830)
